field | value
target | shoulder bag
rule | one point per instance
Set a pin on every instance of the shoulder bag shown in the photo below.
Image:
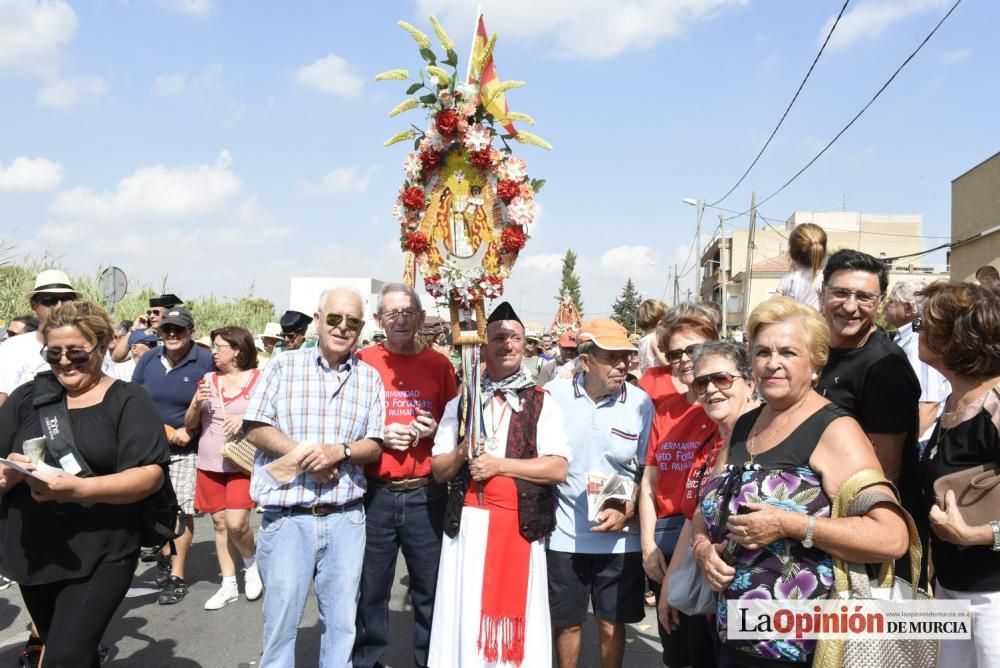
(238, 451)
(852, 581)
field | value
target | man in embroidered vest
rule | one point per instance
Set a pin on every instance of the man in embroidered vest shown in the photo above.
(317, 416)
(595, 553)
(404, 506)
(491, 606)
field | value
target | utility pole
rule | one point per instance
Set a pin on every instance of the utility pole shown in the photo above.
(677, 283)
(748, 272)
(722, 272)
(697, 249)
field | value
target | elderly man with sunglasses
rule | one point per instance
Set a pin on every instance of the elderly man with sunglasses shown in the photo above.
(20, 357)
(404, 506)
(594, 555)
(148, 322)
(170, 373)
(317, 416)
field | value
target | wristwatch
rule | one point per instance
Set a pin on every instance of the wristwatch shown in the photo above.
(347, 453)
(995, 525)
(807, 542)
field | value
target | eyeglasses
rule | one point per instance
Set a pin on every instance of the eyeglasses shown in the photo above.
(918, 324)
(289, 336)
(74, 355)
(721, 379)
(172, 330)
(155, 312)
(353, 324)
(843, 294)
(393, 315)
(676, 355)
(612, 357)
(52, 300)
(216, 347)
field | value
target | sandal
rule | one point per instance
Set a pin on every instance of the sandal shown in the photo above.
(173, 592)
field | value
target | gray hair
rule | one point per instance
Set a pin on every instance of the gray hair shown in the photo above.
(398, 287)
(705, 310)
(906, 292)
(730, 350)
(340, 288)
(586, 348)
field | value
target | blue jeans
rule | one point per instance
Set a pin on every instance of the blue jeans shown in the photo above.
(413, 521)
(292, 552)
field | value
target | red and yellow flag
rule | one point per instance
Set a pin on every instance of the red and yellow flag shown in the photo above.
(493, 99)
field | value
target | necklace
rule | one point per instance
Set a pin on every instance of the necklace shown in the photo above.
(751, 446)
(955, 417)
(493, 441)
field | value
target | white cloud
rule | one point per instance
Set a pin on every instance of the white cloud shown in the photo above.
(64, 232)
(629, 261)
(155, 192)
(253, 225)
(30, 175)
(590, 29)
(170, 85)
(541, 263)
(32, 33)
(66, 93)
(869, 20)
(346, 180)
(192, 7)
(331, 74)
(957, 56)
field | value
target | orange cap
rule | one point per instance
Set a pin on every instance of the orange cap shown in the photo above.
(606, 334)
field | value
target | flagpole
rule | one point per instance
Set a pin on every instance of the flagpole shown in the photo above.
(472, 47)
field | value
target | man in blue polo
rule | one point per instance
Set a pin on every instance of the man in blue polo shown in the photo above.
(170, 373)
(594, 554)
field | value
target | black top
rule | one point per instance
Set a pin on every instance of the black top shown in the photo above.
(794, 450)
(48, 542)
(973, 442)
(877, 386)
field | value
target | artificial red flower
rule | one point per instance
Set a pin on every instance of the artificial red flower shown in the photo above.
(508, 190)
(416, 243)
(512, 239)
(413, 198)
(446, 121)
(429, 160)
(481, 159)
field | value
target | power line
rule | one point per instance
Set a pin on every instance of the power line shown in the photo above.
(863, 109)
(788, 108)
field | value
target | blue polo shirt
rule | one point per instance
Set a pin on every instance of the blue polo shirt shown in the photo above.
(606, 437)
(172, 389)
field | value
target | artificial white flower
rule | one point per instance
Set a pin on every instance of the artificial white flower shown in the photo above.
(412, 166)
(513, 169)
(477, 137)
(521, 211)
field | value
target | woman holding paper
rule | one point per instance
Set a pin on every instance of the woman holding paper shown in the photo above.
(72, 541)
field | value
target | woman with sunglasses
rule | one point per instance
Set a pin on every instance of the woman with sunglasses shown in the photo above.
(763, 528)
(680, 430)
(222, 489)
(724, 385)
(72, 541)
(959, 335)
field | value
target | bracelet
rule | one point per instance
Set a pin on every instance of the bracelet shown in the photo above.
(698, 540)
(995, 525)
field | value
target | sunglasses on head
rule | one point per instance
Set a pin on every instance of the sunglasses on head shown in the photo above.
(721, 379)
(74, 355)
(352, 323)
(676, 355)
(52, 300)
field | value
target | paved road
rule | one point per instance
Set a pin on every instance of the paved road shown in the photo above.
(185, 635)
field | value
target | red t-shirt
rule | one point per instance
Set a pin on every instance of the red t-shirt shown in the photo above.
(701, 468)
(658, 383)
(425, 380)
(679, 429)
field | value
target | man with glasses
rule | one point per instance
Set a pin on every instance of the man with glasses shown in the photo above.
(22, 324)
(594, 555)
(19, 357)
(171, 373)
(293, 329)
(150, 320)
(404, 506)
(901, 311)
(319, 413)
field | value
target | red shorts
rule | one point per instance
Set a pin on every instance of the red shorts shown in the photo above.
(215, 491)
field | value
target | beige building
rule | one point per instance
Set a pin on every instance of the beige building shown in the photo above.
(975, 216)
(880, 235)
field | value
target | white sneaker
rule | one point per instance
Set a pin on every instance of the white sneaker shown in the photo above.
(222, 598)
(252, 584)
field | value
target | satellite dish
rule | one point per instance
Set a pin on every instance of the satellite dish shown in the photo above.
(114, 285)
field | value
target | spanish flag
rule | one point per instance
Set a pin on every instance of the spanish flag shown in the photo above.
(493, 99)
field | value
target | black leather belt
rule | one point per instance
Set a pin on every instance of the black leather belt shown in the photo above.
(403, 485)
(323, 509)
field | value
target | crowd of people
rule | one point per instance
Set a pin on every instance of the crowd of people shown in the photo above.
(598, 466)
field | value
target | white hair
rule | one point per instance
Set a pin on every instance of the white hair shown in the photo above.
(906, 292)
(341, 288)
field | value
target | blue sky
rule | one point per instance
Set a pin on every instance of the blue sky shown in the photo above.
(225, 144)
